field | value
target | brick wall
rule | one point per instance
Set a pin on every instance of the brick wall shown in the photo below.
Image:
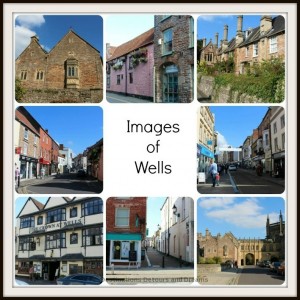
(137, 206)
(30, 142)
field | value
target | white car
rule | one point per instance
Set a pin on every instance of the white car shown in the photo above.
(232, 168)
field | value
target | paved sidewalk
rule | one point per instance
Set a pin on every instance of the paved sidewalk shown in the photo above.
(226, 277)
(22, 188)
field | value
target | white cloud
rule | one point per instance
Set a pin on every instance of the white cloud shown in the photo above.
(222, 142)
(245, 214)
(22, 39)
(29, 21)
(212, 18)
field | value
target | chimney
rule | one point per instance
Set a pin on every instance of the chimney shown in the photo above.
(206, 232)
(225, 33)
(239, 32)
(204, 42)
(216, 39)
(265, 24)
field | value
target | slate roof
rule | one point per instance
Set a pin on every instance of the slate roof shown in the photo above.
(139, 41)
(19, 116)
(231, 46)
(278, 25)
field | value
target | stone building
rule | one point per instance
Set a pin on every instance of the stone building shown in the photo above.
(125, 230)
(247, 251)
(174, 58)
(70, 72)
(61, 237)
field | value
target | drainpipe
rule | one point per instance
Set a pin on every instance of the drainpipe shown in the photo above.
(153, 85)
(126, 76)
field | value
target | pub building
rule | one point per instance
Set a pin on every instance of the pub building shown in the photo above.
(61, 237)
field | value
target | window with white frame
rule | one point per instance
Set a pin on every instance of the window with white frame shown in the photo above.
(56, 215)
(122, 217)
(282, 122)
(25, 148)
(255, 49)
(26, 134)
(273, 44)
(167, 41)
(35, 139)
(276, 144)
(274, 127)
(27, 222)
(56, 240)
(92, 207)
(247, 51)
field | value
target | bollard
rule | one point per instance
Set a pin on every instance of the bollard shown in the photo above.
(163, 262)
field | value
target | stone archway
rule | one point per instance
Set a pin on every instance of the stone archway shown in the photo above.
(249, 259)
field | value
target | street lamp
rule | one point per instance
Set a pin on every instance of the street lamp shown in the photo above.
(175, 211)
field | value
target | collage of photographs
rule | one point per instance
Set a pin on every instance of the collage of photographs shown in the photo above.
(231, 68)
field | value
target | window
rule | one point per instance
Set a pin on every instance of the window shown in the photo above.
(35, 139)
(34, 152)
(255, 49)
(91, 207)
(26, 134)
(56, 240)
(275, 127)
(273, 44)
(257, 248)
(247, 51)
(26, 244)
(170, 84)
(40, 220)
(283, 141)
(25, 148)
(74, 269)
(209, 57)
(39, 75)
(56, 215)
(276, 144)
(118, 79)
(121, 249)
(191, 32)
(167, 42)
(92, 236)
(108, 82)
(73, 212)
(122, 217)
(242, 247)
(282, 122)
(23, 75)
(225, 251)
(130, 77)
(27, 222)
(74, 238)
(165, 17)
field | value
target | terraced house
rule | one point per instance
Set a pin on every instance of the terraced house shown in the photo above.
(61, 237)
(70, 72)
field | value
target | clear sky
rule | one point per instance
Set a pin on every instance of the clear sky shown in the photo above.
(76, 127)
(209, 25)
(235, 123)
(52, 28)
(154, 204)
(121, 28)
(243, 216)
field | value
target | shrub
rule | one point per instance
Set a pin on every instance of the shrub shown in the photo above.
(19, 90)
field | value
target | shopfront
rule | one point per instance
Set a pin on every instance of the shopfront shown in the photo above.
(121, 246)
(279, 164)
(28, 167)
(204, 155)
(45, 164)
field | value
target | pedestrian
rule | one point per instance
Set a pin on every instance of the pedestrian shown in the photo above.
(213, 170)
(226, 168)
(218, 179)
(31, 273)
(236, 264)
(17, 176)
(42, 172)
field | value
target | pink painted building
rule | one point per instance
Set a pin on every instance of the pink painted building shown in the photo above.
(129, 67)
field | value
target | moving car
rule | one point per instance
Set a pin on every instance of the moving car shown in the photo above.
(274, 266)
(281, 269)
(232, 168)
(80, 279)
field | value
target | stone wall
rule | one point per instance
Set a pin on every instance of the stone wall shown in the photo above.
(62, 96)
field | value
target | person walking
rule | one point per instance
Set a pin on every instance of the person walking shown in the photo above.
(213, 170)
(31, 273)
(42, 173)
(17, 176)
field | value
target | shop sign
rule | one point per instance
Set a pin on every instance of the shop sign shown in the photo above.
(57, 225)
(18, 150)
(27, 158)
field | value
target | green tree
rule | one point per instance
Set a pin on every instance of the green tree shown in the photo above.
(19, 90)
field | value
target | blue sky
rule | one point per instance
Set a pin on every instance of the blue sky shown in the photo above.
(209, 25)
(235, 123)
(121, 28)
(154, 204)
(52, 28)
(77, 127)
(244, 216)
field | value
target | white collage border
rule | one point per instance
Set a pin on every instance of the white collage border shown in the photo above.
(195, 10)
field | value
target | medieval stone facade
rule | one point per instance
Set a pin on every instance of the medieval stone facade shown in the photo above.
(70, 72)
(247, 251)
(174, 58)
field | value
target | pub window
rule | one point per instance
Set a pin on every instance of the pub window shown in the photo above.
(56, 215)
(92, 207)
(92, 236)
(27, 222)
(56, 240)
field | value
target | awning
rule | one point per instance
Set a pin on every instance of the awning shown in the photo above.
(201, 150)
(124, 236)
(44, 161)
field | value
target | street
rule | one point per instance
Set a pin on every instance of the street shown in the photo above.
(62, 184)
(254, 275)
(243, 181)
(118, 98)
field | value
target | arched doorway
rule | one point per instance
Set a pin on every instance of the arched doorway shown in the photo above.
(250, 259)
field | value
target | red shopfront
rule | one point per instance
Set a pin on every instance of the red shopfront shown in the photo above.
(46, 165)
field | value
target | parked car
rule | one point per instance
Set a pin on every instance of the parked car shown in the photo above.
(81, 173)
(263, 263)
(232, 168)
(80, 279)
(274, 266)
(281, 269)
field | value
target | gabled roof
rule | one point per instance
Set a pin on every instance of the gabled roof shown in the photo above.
(38, 205)
(231, 46)
(19, 116)
(71, 31)
(139, 41)
(34, 39)
(278, 25)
